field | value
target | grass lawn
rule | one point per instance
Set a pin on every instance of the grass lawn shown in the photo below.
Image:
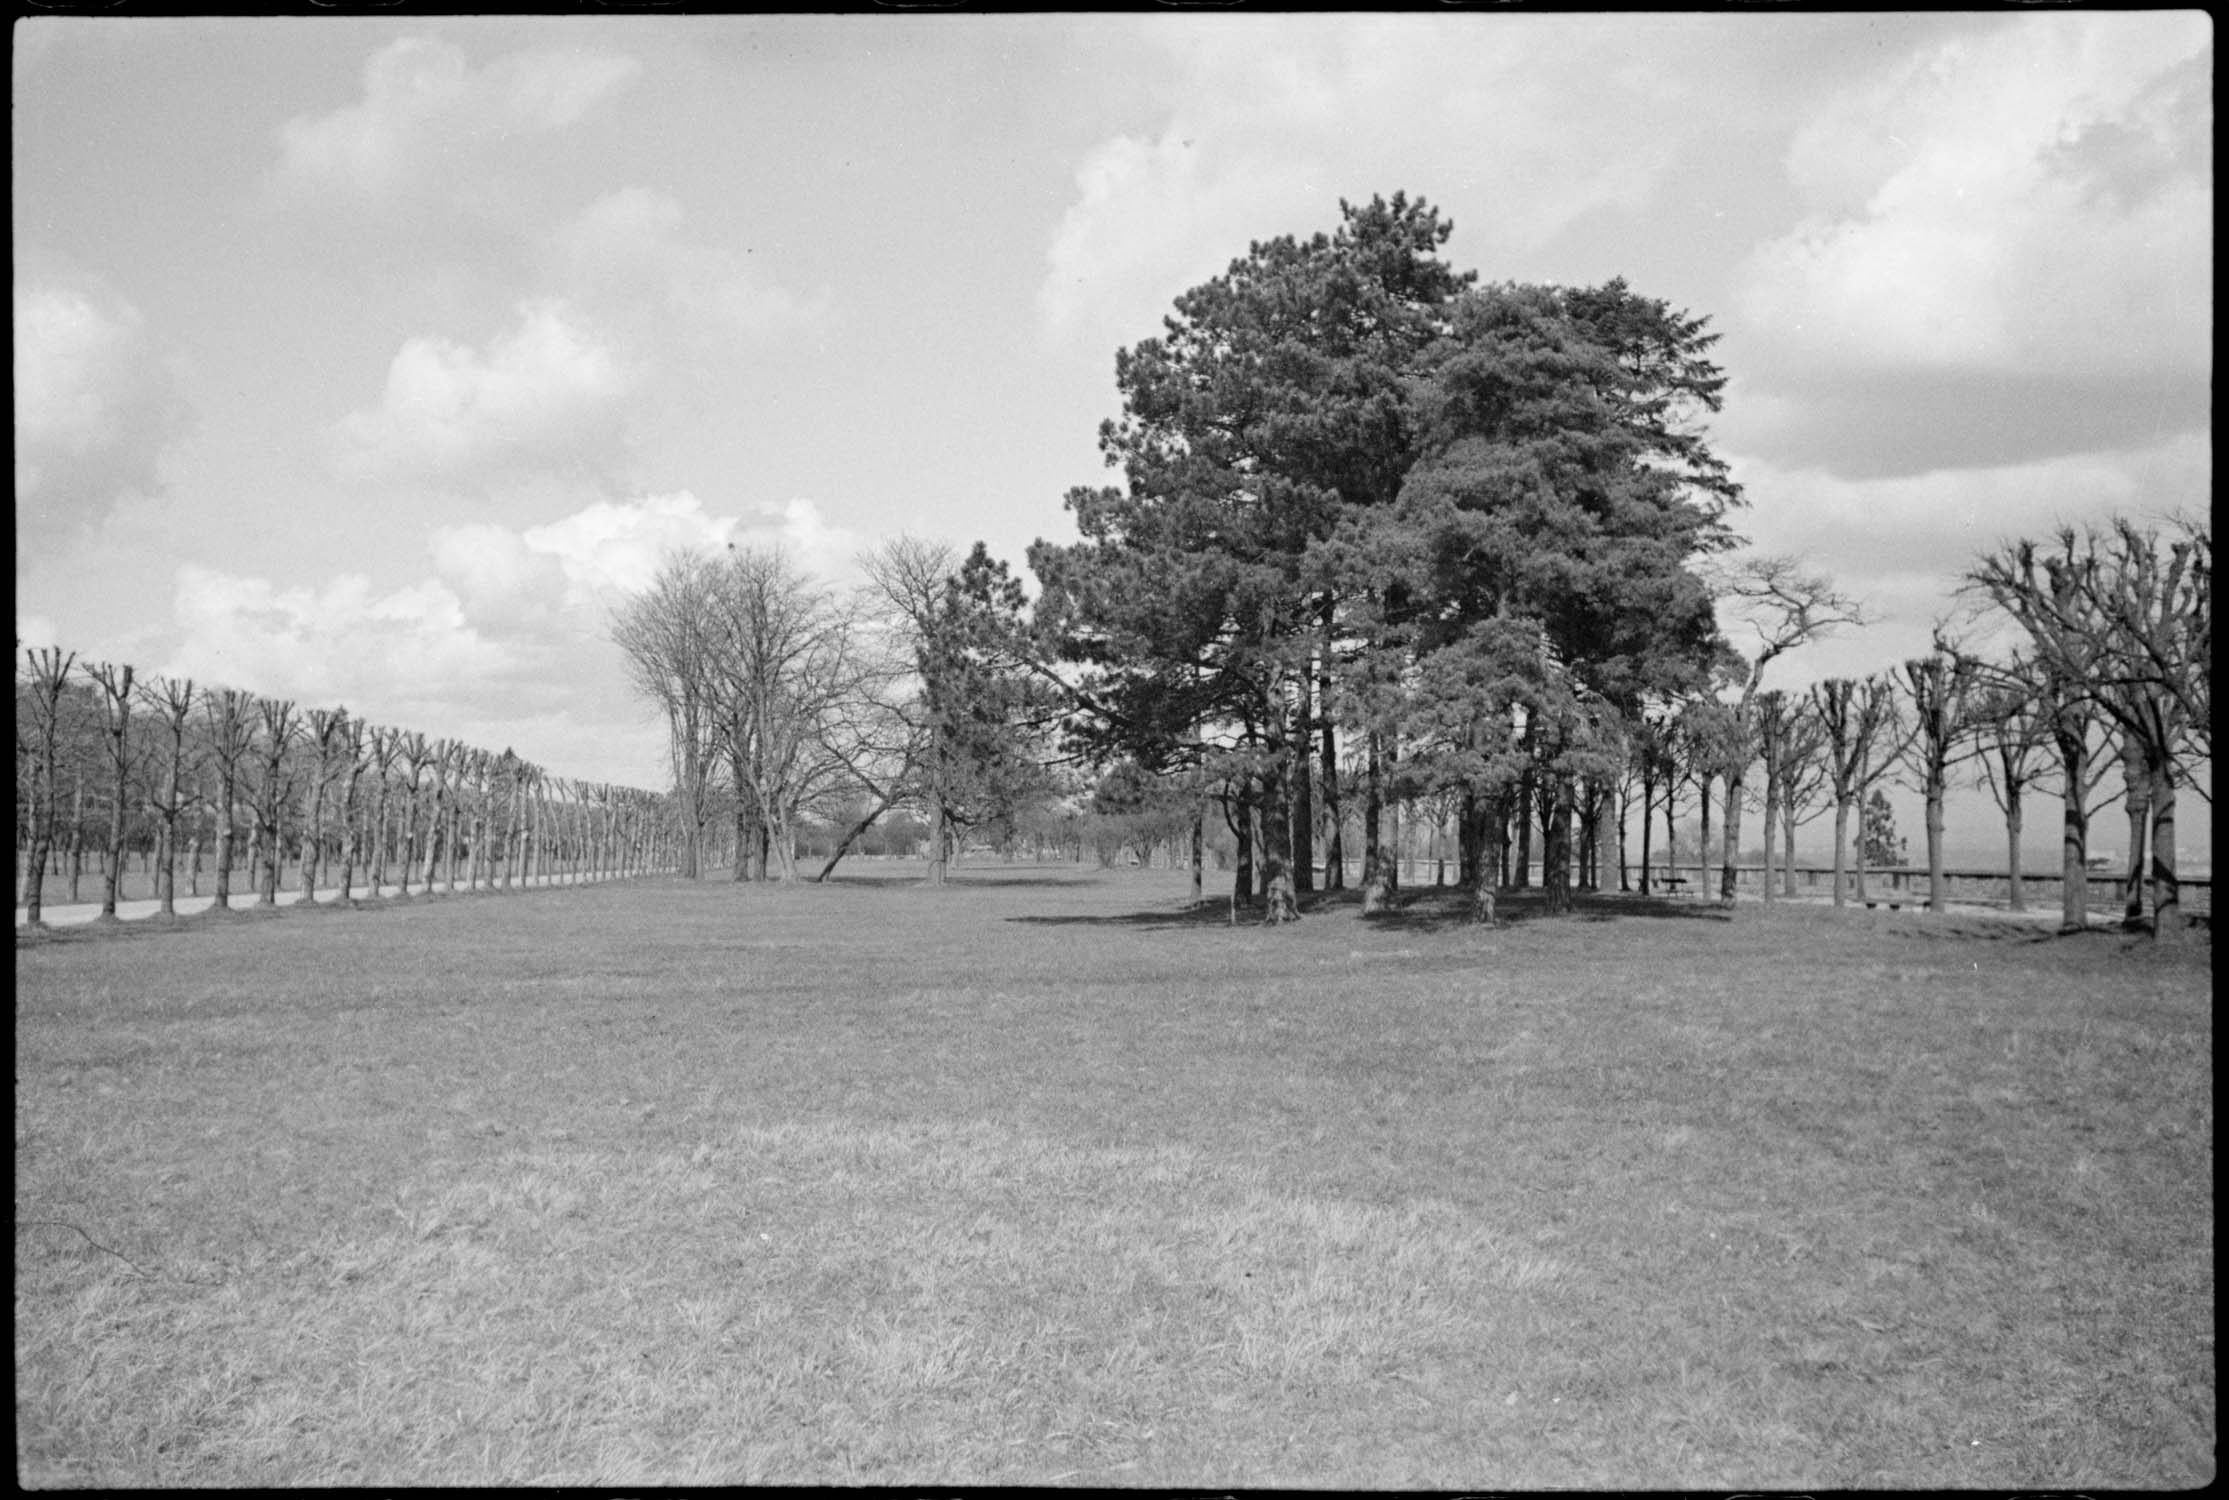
(1038, 1179)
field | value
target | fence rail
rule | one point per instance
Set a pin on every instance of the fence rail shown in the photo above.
(1906, 885)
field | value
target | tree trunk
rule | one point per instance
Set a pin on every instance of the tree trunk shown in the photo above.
(743, 840)
(1648, 828)
(2015, 897)
(310, 846)
(1394, 831)
(1555, 849)
(2138, 800)
(2167, 915)
(1374, 886)
(1487, 860)
(1788, 844)
(1587, 839)
(1702, 834)
(1625, 812)
(1303, 805)
(1841, 846)
(1729, 862)
(1521, 868)
(166, 868)
(1241, 818)
(1335, 854)
(937, 834)
(1765, 827)
(1937, 887)
(1280, 903)
(77, 839)
(1859, 873)
(1199, 852)
(433, 840)
(224, 847)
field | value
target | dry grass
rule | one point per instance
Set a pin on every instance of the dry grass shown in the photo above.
(1041, 1180)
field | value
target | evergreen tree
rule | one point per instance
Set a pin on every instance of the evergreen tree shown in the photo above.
(1877, 830)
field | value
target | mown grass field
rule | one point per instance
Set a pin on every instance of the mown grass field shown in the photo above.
(1037, 1179)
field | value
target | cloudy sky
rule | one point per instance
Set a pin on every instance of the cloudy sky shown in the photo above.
(365, 361)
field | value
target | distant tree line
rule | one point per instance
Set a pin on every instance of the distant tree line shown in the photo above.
(112, 765)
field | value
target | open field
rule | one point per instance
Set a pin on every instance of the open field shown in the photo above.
(1038, 1179)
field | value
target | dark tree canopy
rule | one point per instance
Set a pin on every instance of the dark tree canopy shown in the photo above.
(1470, 514)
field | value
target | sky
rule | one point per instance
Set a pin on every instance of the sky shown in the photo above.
(370, 360)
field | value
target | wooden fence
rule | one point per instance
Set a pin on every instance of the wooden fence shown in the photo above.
(1898, 886)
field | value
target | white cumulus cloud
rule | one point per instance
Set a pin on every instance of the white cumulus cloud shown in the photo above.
(628, 251)
(337, 642)
(544, 397)
(424, 108)
(506, 642)
(95, 403)
(2034, 198)
(1270, 121)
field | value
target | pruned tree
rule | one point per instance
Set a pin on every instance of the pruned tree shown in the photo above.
(170, 701)
(440, 808)
(1940, 688)
(355, 744)
(2122, 615)
(115, 682)
(281, 727)
(414, 753)
(323, 736)
(2013, 736)
(229, 717)
(386, 749)
(1864, 734)
(1803, 782)
(47, 682)
(1777, 721)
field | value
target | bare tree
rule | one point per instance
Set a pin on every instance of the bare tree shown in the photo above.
(227, 713)
(49, 681)
(2123, 615)
(663, 635)
(1864, 734)
(353, 741)
(116, 700)
(782, 666)
(1786, 736)
(1785, 607)
(326, 732)
(282, 727)
(2012, 730)
(386, 748)
(1940, 687)
(171, 701)
(1803, 782)
(414, 753)
(440, 805)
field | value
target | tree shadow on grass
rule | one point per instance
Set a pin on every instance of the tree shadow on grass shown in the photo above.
(1433, 910)
(1212, 912)
(1439, 908)
(963, 882)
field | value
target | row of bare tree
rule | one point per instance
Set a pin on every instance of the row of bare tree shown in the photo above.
(2088, 651)
(165, 764)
